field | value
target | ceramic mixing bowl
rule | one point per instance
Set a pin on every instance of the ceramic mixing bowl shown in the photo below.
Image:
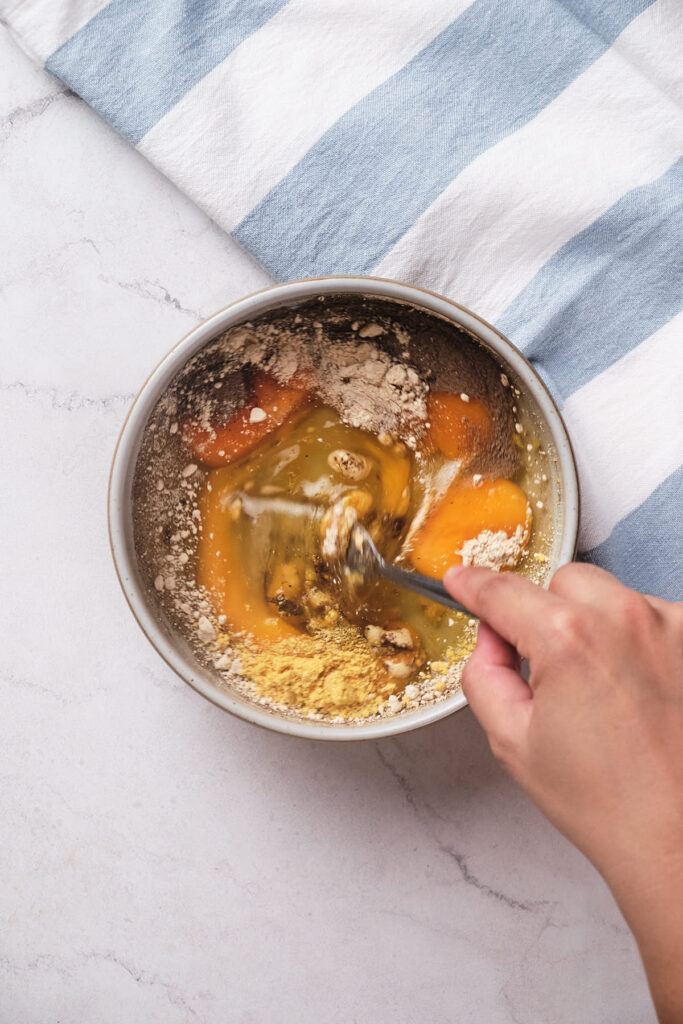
(167, 641)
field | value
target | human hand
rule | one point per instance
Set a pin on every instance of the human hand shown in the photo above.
(596, 736)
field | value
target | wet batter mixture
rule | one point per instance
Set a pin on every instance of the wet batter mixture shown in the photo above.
(282, 435)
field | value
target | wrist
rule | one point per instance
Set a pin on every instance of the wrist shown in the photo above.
(650, 896)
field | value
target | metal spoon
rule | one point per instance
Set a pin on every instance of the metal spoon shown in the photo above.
(363, 558)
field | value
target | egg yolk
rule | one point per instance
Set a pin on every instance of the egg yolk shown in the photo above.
(221, 565)
(464, 512)
(458, 426)
(271, 406)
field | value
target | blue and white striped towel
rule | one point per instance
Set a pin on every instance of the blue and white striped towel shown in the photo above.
(522, 156)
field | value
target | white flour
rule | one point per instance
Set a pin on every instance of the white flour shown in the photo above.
(495, 550)
(368, 387)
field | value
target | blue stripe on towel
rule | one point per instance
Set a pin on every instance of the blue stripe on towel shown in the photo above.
(137, 58)
(609, 288)
(372, 174)
(646, 548)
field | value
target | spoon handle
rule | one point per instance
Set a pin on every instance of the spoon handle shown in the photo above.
(434, 590)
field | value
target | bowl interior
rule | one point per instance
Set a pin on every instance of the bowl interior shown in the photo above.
(142, 598)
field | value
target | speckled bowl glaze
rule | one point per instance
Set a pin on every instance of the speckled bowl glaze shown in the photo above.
(170, 645)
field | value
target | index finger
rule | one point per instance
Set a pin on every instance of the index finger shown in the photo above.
(515, 607)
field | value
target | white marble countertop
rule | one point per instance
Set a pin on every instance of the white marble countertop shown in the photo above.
(162, 861)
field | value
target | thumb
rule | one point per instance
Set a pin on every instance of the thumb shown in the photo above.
(497, 694)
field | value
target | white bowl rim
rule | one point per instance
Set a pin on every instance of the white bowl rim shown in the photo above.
(247, 308)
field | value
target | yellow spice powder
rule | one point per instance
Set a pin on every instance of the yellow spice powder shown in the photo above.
(331, 672)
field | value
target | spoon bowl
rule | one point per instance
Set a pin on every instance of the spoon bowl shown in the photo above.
(363, 563)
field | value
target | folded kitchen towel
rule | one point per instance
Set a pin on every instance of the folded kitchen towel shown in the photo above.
(524, 157)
